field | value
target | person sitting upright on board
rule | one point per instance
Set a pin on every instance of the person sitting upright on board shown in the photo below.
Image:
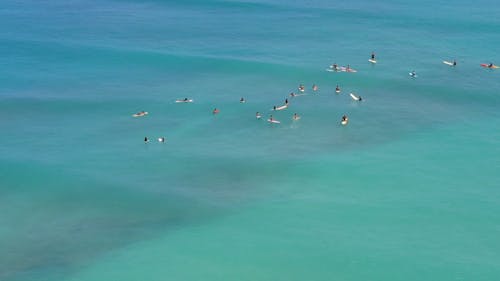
(454, 62)
(373, 56)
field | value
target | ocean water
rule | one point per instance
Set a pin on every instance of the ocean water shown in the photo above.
(409, 190)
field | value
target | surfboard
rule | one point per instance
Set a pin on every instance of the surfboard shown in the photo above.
(354, 97)
(344, 69)
(296, 118)
(487, 65)
(273, 121)
(337, 91)
(344, 122)
(372, 61)
(140, 114)
(413, 75)
(281, 107)
(183, 101)
(448, 63)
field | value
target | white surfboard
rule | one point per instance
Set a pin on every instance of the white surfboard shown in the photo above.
(273, 121)
(448, 63)
(337, 91)
(345, 69)
(344, 122)
(354, 97)
(183, 101)
(140, 114)
(372, 61)
(413, 75)
(280, 107)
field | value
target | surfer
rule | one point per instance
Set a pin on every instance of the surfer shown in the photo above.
(337, 89)
(215, 111)
(257, 115)
(296, 116)
(242, 100)
(271, 118)
(146, 140)
(286, 101)
(454, 62)
(292, 94)
(315, 87)
(413, 73)
(161, 139)
(373, 56)
(359, 98)
(335, 67)
(301, 88)
(490, 65)
(344, 118)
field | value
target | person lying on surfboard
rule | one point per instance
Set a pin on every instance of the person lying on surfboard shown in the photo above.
(490, 65)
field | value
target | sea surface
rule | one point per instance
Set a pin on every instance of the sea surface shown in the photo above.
(408, 190)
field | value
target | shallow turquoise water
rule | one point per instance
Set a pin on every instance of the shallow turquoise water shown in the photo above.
(408, 190)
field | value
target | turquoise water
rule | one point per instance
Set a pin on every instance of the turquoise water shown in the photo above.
(407, 191)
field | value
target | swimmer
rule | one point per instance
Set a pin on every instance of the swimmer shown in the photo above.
(296, 116)
(344, 120)
(215, 111)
